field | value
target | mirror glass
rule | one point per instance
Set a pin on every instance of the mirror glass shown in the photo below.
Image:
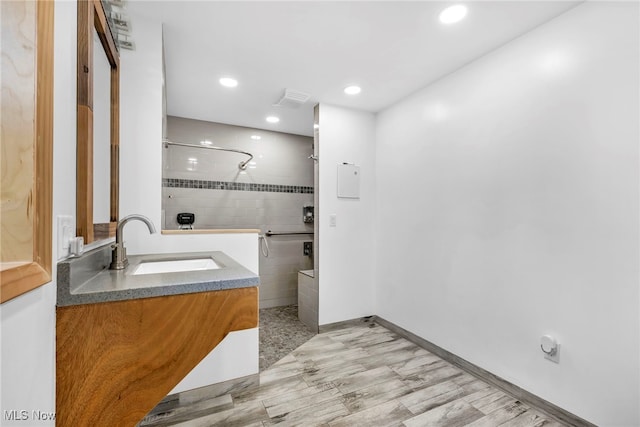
(101, 133)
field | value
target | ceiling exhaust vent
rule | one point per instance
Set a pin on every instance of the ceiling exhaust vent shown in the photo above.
(292, 99)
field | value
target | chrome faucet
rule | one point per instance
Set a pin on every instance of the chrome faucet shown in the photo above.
(119, 259)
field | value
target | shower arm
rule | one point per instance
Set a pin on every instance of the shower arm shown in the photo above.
(241, 165)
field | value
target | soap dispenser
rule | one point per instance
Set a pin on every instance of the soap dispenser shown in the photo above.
(307, 214)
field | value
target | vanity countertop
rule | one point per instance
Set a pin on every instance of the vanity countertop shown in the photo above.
(88, 280)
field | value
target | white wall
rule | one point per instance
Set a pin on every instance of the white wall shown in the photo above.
(28, 321)
(141, 134)
(234, 357)
(508, 209)
(141, 189)
(346, 252)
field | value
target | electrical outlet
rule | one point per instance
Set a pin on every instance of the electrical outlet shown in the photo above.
(66, 232)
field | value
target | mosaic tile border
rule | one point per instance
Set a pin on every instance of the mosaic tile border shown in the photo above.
(236, 186)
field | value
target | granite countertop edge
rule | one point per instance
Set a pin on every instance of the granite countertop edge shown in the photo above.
(89, 281)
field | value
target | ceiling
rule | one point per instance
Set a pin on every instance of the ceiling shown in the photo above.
(390, 49)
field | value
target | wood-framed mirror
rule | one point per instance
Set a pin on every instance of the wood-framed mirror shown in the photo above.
(98, 111)
(27, 146)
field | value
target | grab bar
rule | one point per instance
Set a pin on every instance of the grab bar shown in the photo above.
(241, 165)
(264, 245)
(271, 233)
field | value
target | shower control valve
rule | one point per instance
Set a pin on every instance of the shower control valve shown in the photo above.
(307, 248)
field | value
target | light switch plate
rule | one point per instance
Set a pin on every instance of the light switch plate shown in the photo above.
(332, 220)
(66, 231)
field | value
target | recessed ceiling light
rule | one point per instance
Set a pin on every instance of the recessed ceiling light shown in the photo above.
(256, 137)
(192, 160)
(206, 142)
(273, 119)
(228, 82)
(352, 90)
(453, 14)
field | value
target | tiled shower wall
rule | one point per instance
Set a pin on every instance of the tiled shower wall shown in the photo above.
(268, 195)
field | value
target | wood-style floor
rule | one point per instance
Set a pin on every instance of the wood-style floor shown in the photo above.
(362, 375)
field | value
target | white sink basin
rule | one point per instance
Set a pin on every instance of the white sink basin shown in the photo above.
(175, 266)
